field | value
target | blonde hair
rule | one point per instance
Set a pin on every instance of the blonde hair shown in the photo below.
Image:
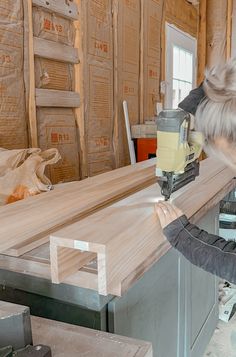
(216, 114)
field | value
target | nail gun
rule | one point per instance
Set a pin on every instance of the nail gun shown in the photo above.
(178, 151)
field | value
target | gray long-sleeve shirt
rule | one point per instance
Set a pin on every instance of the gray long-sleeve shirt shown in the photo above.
(207, 251)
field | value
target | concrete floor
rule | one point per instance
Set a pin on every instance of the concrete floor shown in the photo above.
(223, 342)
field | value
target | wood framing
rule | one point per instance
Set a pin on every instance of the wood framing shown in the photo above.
(57, 98)
(32, 103)
(80, 35)
(229, 28)
(66, 9)
(55, 51)
(202, 39)
(126, 234)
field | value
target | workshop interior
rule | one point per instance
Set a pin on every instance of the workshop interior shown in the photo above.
(103, 173)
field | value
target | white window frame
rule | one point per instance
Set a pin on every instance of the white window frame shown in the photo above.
(175, 36)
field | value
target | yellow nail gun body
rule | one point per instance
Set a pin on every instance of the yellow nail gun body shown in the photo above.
(178, 151)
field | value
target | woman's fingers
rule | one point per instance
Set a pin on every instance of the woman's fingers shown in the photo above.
(167, 213)
(161, 215)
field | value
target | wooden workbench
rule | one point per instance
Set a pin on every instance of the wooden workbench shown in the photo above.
(162, 292)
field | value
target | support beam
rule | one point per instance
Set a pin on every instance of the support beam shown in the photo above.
(202, 39)
(64, 8)
(57, 98)
(32, 103)
(55, 51)
(229, 28)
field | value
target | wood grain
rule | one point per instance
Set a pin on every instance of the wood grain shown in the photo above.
(32, 102)
(80, 44)
(66, 9)
(127, 233)
(38, 216)
(202, 39)
(229, 28)
(57, 98)
(55, 51)
(37, 262)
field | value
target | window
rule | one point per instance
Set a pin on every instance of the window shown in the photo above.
(182, 74)
(180, 66)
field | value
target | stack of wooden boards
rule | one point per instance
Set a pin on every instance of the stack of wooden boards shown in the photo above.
(124, 239)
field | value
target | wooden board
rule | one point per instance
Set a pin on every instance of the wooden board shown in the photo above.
(202, 32)
(37, 263)
(97, 80)
(57, 98)
(32, 103)
(79, 87)
(182, 14)
(229, 28)
(126, 234)
(68, 340)
(56, 51)
(38, 216)
(65, 8)
(216, 31)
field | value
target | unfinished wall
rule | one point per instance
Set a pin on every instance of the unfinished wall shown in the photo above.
(13, 129)
(56, 126)
(151, 53)
(127, 22)
(97, 38)
(233, 41)
(122, 54)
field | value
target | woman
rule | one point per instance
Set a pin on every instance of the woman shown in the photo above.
(214, 106)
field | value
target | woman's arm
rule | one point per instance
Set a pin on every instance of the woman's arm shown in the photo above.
(207, 251)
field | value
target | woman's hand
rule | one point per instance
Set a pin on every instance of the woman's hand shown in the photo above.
(167, 213)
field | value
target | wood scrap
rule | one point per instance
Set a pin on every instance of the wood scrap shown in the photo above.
(127, 233)
(66, 9)
(57, 98)
(55, 51)
(30, 220)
